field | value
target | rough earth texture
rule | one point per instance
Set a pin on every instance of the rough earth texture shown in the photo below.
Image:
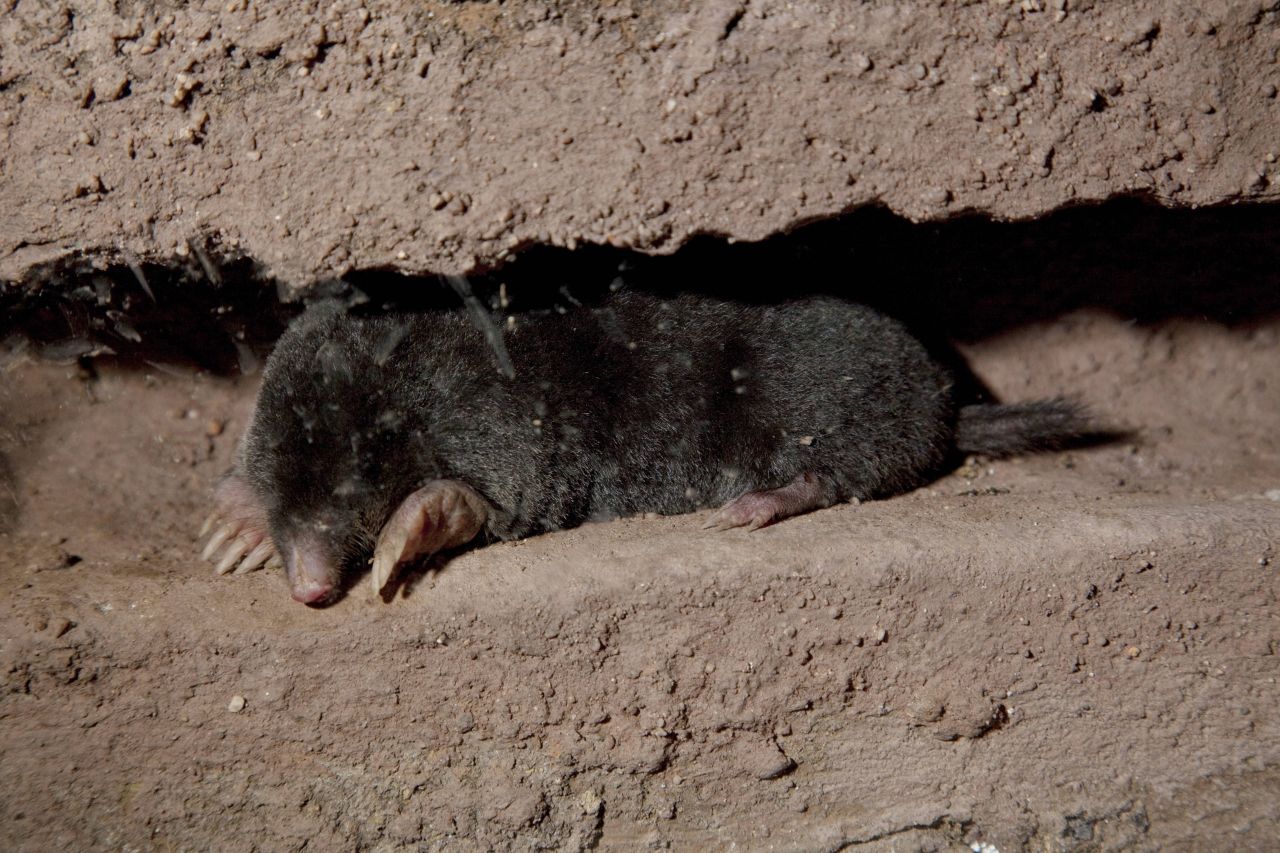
(321, 137)
(1075, 651)
(1071, 651)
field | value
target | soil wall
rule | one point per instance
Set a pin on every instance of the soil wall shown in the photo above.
(318, 138)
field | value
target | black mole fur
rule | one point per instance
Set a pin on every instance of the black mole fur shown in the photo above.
(637, 404)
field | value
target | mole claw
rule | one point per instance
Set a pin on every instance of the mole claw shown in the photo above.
(219, 539)
(232, 556)
(208, 524)
(381, 573)
(718, 522)
(387, 555)
(256, 557)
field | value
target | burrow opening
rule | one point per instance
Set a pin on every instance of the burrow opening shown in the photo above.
(962, 280)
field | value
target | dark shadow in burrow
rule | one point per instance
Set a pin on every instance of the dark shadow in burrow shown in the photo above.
(962, 280)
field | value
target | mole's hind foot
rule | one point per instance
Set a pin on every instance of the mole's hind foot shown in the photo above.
(240, 542)
(442, 514)
(754, 510)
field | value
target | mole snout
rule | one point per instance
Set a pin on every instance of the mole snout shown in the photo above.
(313, 573)
(443, 514)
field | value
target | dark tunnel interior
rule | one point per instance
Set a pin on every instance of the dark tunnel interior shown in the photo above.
(962, 280)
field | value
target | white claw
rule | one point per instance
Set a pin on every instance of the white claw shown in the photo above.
(386, 556)
(208, 524)
(223, 533)
(255, 558)
(274, 561)
(381, 574)
(233, 554)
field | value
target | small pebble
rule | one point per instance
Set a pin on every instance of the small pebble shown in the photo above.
(925, 709)
(590, 802)
(1132, 652)
(236, 705)
(937, 196)
(1003, 95)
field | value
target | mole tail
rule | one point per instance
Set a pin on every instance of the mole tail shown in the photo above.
(997, 429)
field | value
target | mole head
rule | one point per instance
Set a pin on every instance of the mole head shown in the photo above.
(330, 450)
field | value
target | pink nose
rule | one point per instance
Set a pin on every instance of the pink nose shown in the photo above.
(310, 591)
(312, 577)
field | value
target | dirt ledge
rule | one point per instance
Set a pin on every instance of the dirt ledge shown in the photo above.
(1068, 652)
(440, 137)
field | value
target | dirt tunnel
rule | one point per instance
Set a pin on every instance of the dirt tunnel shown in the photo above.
(1072, 650)
(1077, 617)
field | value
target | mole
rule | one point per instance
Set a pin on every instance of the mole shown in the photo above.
(383, 437)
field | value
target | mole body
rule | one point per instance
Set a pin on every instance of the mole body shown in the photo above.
(394, 434)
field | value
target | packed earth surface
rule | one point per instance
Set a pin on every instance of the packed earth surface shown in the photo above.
(324, 136)
(1075, 650)
(1068, 651)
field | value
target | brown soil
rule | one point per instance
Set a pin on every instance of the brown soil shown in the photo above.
(321, 137)
(1071, 651)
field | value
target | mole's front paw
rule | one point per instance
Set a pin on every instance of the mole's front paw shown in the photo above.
(442, 514)
(240, 540)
